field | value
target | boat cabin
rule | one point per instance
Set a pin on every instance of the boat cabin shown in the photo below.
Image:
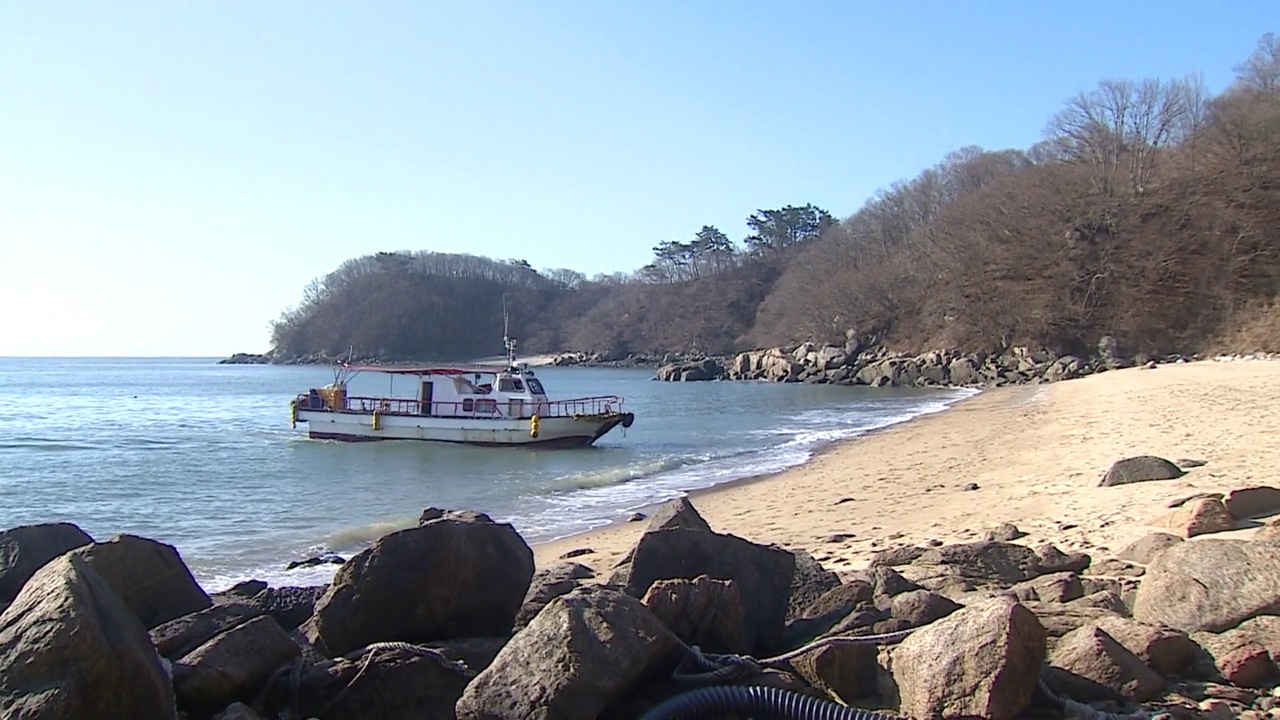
(512, 393)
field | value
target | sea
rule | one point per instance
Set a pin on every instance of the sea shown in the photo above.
(202, 456)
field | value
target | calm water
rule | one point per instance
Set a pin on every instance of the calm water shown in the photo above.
(201, 456)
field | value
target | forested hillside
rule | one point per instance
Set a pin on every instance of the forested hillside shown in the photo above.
(1150, 212)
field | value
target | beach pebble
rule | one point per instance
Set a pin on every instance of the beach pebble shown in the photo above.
(635, 517)
(970, 486)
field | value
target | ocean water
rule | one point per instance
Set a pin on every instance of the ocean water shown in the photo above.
(201, 456)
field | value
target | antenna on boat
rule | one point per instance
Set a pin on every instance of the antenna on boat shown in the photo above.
(507, 341)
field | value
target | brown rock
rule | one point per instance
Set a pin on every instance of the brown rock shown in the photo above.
(71, 648)
(1058, 619)
(1145, 547)
(1246, 503)
(921, 607)
(1210, 584)
(984, 561)
(1269, 532)
(1004, 532)
(1105, 600)
(549, 583)
(702, 612)
(149, 576)
(1198, 517)
(847, 670)
(1163, 649)
(233, 664)
(1053, 560)
(584, 651)
(678, 513)
(983, 660)
(1088, 665)
(1239, 658)
(1055, 587)
(182, 635)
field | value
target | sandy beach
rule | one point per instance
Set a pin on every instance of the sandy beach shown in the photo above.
(1036, 454)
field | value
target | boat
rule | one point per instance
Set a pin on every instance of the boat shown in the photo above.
(502, 405)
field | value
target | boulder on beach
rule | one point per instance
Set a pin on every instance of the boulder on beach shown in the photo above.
(451, 577)
(1210, 584)
(71, 648)
(26, 548)
(1143, 468)
(148, 575)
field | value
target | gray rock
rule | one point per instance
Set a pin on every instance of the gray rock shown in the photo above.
(27, 548)
(1145, 548)
(1088, 665)
(1246, 503)
(1163, 649)
(1210, 585)
(149, 576)
(1055, 587)
(182, 635)
(447, 578)
(1004, 532)
(1143, 468)
(921, 607)
(983, 661)
(809, 582)
(71, 648)
(584, 651)
(232, 665)
(984, 561)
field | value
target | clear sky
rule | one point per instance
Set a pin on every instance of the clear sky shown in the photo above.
(173, 174)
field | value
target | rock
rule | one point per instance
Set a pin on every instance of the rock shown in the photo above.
(577, 552)
(983, 660)
(984, 561)
(842, 598)
(702, 612)
(1053, 560)
(290, 606)
(1179, 502)
(1004, 532)
(635, 517)
(585, 650)
(27, 548)
(381, 683)
(887, 582)
(548, 584)
(1210, 585)
(809, 582)
(847, 671)
(447, 578)
(1103, 600)
(322, 559)
(1088, 665)
(1143, 468)
(1198, 517)
(242, 590)
(232, 665)
(1144, 548)
(1163, 649)
(182, 635)
(1058, 619)
(475, 654)
(921, 607)
(1237, 657)
(678, 513)
(149, 576)
(1116, 568)
(1055, 587)
(71, 648)
(238, 711)
(1270, 532)
(1251, 502)
(763, 574)
(894, 557)
(969, 487)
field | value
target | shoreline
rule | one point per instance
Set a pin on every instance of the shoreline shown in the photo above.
(1036, 453)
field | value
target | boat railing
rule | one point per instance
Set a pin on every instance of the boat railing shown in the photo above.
(479, 406)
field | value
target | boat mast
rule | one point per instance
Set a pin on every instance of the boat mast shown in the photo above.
(508, 342)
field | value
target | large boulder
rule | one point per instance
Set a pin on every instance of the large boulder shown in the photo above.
(1197, 517)
(447, 578)
(1237, 657)
(70, 648)
(26, 548)
(1210, 585)
(148, 575)
(983, 561)
(1089, 665)
(1245, 503)
(584, 651)
(182, 635)
(678, 513)
(763, 574)
(290, 606)
(981, 661)
(1142, 468)
(232, 665)
(1163, 649)
(1144, 549)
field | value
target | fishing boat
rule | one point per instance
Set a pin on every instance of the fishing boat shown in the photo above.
(473, 405)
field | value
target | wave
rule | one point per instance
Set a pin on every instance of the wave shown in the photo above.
(357, 538)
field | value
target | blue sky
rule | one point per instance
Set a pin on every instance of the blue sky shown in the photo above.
(173, 174)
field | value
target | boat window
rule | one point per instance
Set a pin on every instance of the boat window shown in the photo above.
(487, 406)
(468, 405)
(508, 385)
(535, 387)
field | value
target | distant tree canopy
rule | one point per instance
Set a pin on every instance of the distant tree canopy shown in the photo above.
(1148, 212)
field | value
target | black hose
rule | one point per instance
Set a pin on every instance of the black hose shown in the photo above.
(763, 703)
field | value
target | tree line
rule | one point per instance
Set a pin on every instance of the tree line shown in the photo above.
(1147, 212)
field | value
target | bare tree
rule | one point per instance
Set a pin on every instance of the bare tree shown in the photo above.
(1261, 71)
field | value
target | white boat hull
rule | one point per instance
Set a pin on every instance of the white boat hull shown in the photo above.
(579, 431)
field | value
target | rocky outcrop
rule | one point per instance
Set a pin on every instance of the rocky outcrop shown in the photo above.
(71, 648)
(878, 367)
(148, 575)
(27, 548)
(246, 359)
(448, 578)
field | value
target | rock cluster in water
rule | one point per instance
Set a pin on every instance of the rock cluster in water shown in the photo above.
(450, 619)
